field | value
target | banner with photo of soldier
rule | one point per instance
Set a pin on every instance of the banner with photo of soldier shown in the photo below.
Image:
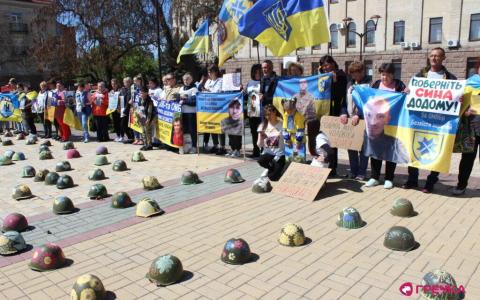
(170, 128)
(10, 108)
(220, 113)
(253, 102)
(418, 128)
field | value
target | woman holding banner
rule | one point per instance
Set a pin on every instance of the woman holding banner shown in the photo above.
(38, 108)
(83, 109)
(188, 101)
(99, 110)
(252, 94)
(63, 128)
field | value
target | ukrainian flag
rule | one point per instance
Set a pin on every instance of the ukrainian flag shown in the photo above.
(198, 43)
(285, 25)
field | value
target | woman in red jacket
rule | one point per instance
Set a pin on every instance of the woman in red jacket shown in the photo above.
(99, 111)
(63, 128)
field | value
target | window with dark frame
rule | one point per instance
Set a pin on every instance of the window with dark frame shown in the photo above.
(315, 66)
(435, 36)
(351, 36)
(397, 63)
(333, 36)
(398, 32)
(370, 33)
(472, 64)
(474, 28)
(284, 71)
(254, 43)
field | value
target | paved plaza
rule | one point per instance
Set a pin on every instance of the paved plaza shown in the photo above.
(335, 263)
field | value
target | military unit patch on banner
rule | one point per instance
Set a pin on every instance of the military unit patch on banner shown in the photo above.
(427, 146)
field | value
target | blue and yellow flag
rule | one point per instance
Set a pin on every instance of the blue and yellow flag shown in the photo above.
(10, 108)
(198, 43)
(229, 40)
(285, 25)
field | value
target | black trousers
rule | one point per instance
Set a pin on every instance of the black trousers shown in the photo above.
(275, 168)
(124, 129)
(55, 123)
(102, 128)
(235, 142)
(189, 121)
(413, 177)
(47, 126)
(333, 163)
(466, 165)
(116, 122)
(254, 122)
(29, 123)
(206, 138)
(376, 165)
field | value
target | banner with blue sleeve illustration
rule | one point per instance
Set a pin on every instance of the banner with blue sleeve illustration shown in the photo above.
(10, 108)
(417, 128)
(220, 113)
(312, 94)
(170, 129)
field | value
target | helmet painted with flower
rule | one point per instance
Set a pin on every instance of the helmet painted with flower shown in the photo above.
(291, 235)
(236, 252)
(349, 218)
(47, 257)
(165, 270)
(11, 242)
(233, 176)
(89, 287)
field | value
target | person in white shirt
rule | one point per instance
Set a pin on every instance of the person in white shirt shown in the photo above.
(156, 94)
(188, 101)
(318, 145)
(38, 107)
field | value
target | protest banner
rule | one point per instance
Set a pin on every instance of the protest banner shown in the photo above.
(70, 119)
(50, 106)
(112, 101)
(343, 136)
(10, 108)
(220, 113)
(170, 129)
(472, 94)
(253, 102)
(231, 82)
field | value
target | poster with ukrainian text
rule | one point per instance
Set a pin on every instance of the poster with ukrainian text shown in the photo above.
(170, 128)
(220, 113)
(10, 108)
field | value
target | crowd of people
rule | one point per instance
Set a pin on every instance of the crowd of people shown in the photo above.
(139, 97)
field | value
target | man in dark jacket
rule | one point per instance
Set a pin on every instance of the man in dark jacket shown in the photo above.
(268, 83)
(124, 99)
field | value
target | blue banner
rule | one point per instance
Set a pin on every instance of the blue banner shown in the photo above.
(220, 113)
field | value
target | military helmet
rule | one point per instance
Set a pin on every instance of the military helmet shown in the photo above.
(350, 218)
(20, 136)
(28, 171)
(101, 160)
(119, 165)
(233, 176)
(137, 156)
(64, 182)
(399, 238)
(11, 242)
(151, 183)
(15, 222)
(51, 178)
(8, 134)
(5, 161)
(402, 208)
(88, 287)
(63, 166)
(33, 137)
(97, 191)
(68, 145)
(18, 156)
(189, 177)
(101, 150)
(43, 148)
(46, 143)
(147, 208)
(165, 270)
(47, 257)
(46, 155)
(63, 205)
(7, 143)
(31, 140)
(261, 185)
(440, 278)
(40, 176)
(291, 235)
(73, 153)
(236, 252)
(21, 191)
(121, 200)
(9, 153)
(96, 174)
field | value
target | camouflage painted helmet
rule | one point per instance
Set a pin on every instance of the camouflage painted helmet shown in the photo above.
(101, 160)
(64, 182)
(63, 205)
(51, 178)
(68, 145)
(28, 171)
(63, 166)
(137, 156)
(189, 177)
(7, 143)
(121, 200)
(8, 134)
(18, 156)
(291, 235)
(40, 176)
(43, 148)
(97, 191)
(262, 185)
(88, 287)
(20, 136)
(350, 218)
(21, 191)
(73, 153)
(151, 183)
(9, 153)
(11, 242)
(15, 222)
(47, 257)
(46, 143)
(399, 238)
(147, 208)
(96, 174)
(119, 166)
(441, 278)
(5, 161)
(402, 208)
(165, 270)
(31, 140)
(46, 155)
(33, 137)
(101, 150)
(236, 252)
(233, 176)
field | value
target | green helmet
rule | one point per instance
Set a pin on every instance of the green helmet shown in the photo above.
(96, 174)
(262, 185)
(64, 182)
(101, 160)
(28, 171)
(165, 270)
(20, 136)
(31, 140)
(236, 252)
(119, 166)
(63, 166)
(151, 183)
(43, 148)
(291, 235)
(68, 145)
(350, 218)
(189, 177)
(21, 191)
(11, 242)
(97, 191)
(147, 208)
(7, 143)
(402, 208)
(137, 156)
(121, 200)
(46, 155)
(40, 176)
(88, 287)
(18, 156)
(233, 176)
(9, 153)
(46, 143)
(399, 238)
(51, 178)
(63, 205)
(441, 278)
(5, 161)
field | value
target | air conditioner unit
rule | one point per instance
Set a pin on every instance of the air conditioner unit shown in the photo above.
(414, 45)
(405, 45)
(340, 26)
(453, 43)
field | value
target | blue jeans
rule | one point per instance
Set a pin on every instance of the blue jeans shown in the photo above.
(358, 163)
(84, 120)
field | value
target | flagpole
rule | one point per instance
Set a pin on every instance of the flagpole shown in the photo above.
(258, 52)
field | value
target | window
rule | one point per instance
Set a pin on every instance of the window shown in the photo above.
(472, 64)
(397, 63)
(254, 43)
(333, 1)
(474, 27)
(398, 32)
(370, 33)
(435, 36)
(317, 47)
(352, 36)
(315, 66)
(333, 36)
(368, 67)
(284, 71)
(238, 70)
(15, 18)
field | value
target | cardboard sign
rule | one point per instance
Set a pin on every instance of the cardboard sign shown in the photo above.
(301, 181)
(343, 136)
(231, 82)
